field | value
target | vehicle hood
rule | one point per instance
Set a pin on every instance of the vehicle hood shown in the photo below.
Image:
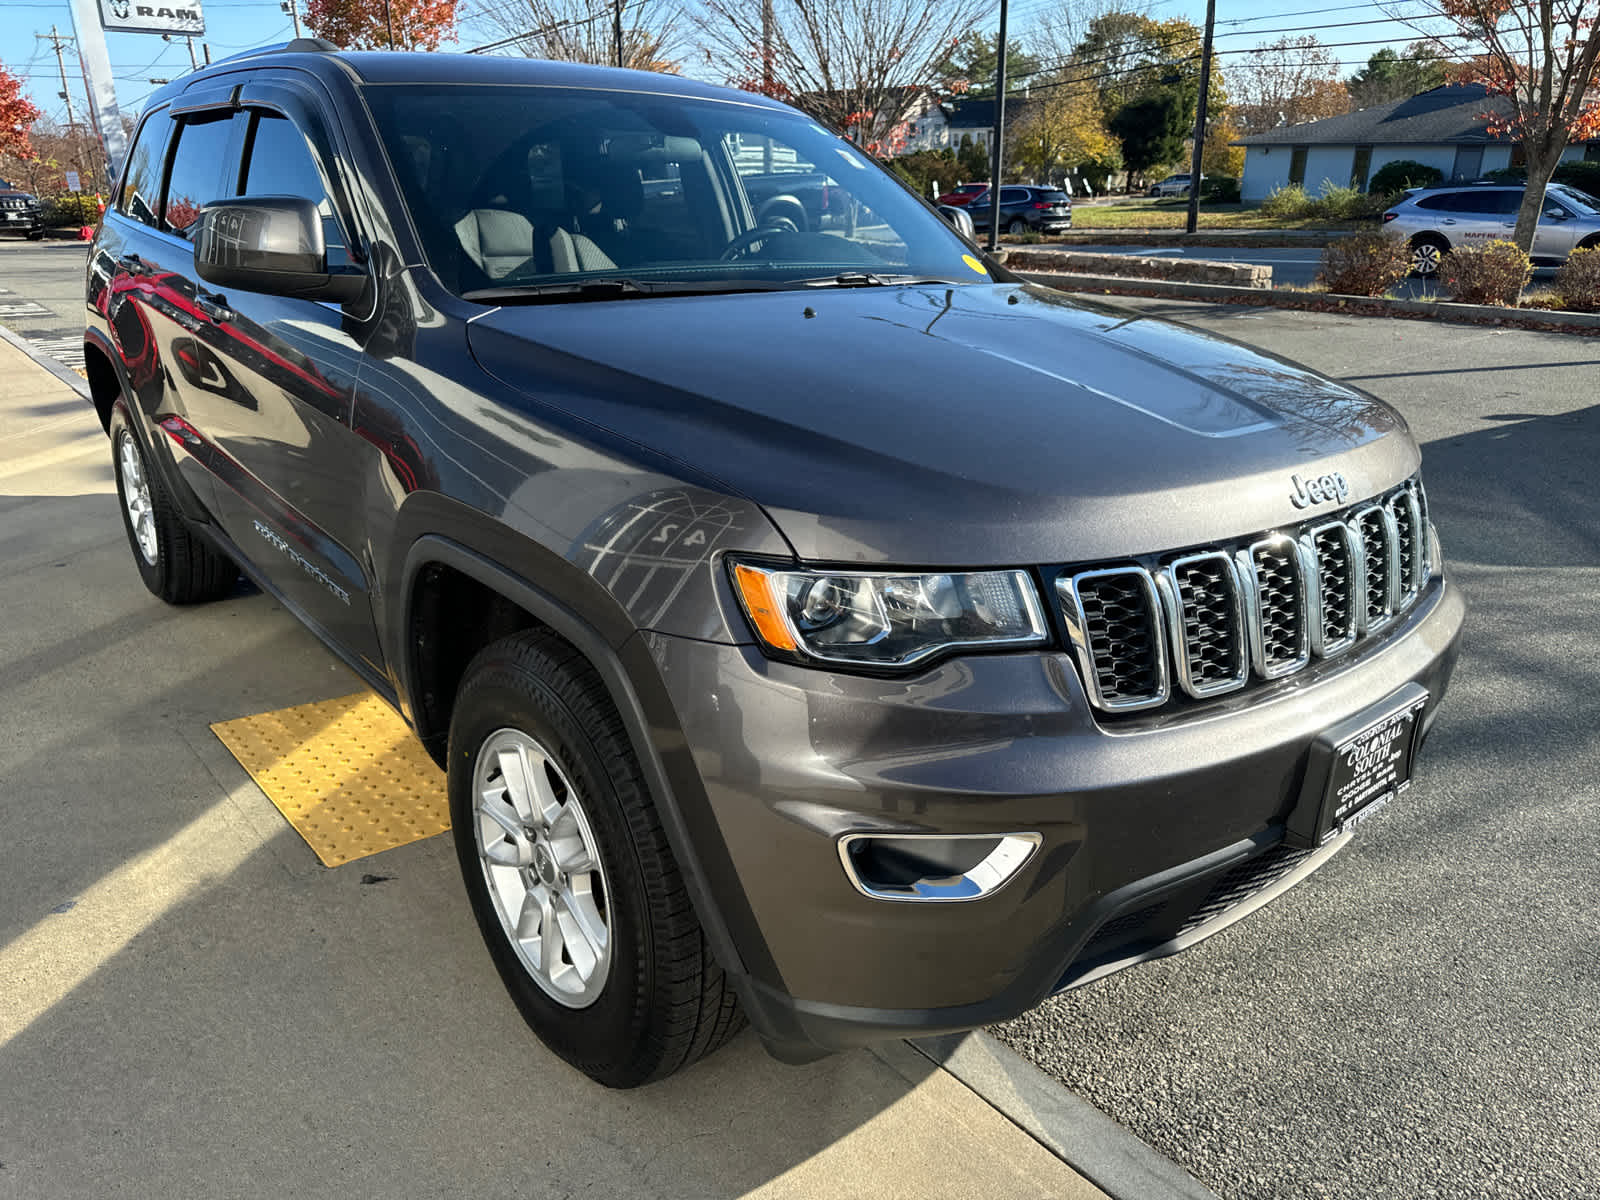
(937, 425)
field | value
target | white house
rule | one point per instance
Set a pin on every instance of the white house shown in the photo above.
(1445, 128)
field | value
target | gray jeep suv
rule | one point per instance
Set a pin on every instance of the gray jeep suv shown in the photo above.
(816, 626)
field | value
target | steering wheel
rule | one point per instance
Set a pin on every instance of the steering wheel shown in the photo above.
(749, 240)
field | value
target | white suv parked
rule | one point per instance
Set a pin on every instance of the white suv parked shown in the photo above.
(1172, 185)
(1437, 220)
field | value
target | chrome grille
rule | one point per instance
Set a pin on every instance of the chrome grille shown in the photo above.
(1333, 549)
(1201, 594)
(1280, 634)
(1113, 618)
(1212, 619)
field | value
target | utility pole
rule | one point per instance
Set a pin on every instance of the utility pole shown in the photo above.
(56, 40)
(1200, 118)
(388, 20)
(293, 9)
(616, 30)
(997, 156)
(194, 63)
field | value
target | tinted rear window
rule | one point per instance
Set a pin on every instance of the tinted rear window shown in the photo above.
(1054, 197)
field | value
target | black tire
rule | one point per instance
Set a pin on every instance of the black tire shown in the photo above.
(1017, 226)
(664, 1002)
(1427, 253)
(175, 564)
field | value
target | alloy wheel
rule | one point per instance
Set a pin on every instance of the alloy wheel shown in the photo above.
(542, 867)
(136, 499)
(1425, 258)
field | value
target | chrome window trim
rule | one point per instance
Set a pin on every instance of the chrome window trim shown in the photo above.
(1177, 626)
(1355, 567)
(1291, 548)
(1078, 635)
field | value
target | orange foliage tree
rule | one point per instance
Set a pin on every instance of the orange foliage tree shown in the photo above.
(17, 115)
(1540, 55)
(382, 24)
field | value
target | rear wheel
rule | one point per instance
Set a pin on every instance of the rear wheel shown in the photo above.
(174, 563)
(1018, 225)
(1427, 252)
(573, 885)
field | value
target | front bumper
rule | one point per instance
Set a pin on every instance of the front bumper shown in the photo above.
(1143, 823)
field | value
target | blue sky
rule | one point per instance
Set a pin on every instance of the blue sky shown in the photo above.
(233, 25)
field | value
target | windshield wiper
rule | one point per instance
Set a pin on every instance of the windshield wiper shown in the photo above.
(852, 279)
(613, 289)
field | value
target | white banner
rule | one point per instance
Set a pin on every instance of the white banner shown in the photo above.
(102, 88)
(153, 16)
(73, 183)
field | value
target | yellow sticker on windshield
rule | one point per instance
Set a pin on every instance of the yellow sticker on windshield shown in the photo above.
(975, 264)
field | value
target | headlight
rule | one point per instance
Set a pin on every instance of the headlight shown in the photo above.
(887, 620)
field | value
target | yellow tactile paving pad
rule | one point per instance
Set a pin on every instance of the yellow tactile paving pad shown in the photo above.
(348, 774)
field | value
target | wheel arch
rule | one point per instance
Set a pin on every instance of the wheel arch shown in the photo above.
(784, 205)
(619, 667)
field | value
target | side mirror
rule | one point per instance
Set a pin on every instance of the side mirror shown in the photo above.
(959, 217)
(270, 244)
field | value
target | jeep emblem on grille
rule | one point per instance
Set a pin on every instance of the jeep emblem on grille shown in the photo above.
(1324, 489)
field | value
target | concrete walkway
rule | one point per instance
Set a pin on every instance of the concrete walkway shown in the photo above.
(191, 1005)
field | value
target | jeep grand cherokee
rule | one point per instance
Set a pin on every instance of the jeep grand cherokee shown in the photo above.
(816, 626)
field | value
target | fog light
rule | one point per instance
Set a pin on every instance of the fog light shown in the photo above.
(933, 866)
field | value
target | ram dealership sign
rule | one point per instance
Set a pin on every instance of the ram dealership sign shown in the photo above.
(152, 16)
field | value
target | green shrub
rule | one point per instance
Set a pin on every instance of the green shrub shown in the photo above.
(1578, 280)
(1287, 203)
(1368, 264)
(70, 209)
(1493, 273)
(1401, 174)
(1220, 189)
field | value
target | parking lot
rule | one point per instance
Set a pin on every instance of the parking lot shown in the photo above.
(190, 1003)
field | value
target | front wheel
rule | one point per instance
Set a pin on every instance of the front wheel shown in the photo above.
(575, 890)
(173, 561)
(1427, 252)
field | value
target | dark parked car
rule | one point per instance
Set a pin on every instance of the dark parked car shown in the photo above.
(19, 212)
(963, 194)
(1026, 209)
(822, 627)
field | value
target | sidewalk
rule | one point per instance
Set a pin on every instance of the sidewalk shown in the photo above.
(190, 1004)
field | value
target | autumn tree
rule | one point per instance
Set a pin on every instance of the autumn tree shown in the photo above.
(584, 31)
(854, 67)
(1396, 75)
(1219, 156)
(1287, 82)
(1540, 56)
(1062, 128)
(17, 115)
(382, 24)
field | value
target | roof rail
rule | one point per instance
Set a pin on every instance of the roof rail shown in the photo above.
(296, 46)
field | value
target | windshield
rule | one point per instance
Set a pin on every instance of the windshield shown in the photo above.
(530, 188)
(1581, 201)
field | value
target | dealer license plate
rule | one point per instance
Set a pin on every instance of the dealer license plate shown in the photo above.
(1359, 766)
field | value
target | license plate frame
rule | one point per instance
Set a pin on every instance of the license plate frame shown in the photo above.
(1358, 766)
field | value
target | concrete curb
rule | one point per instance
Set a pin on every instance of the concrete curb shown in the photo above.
(1056, 260)
(1083, 1137)
(1587, 324)
(1242, 238)
(60, 370)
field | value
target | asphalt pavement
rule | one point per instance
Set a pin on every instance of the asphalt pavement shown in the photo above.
(1419, 1018)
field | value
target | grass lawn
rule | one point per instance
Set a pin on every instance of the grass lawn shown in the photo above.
(1174, 214)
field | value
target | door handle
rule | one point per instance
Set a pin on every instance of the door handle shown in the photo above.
(1448, 221)
(214, 306)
